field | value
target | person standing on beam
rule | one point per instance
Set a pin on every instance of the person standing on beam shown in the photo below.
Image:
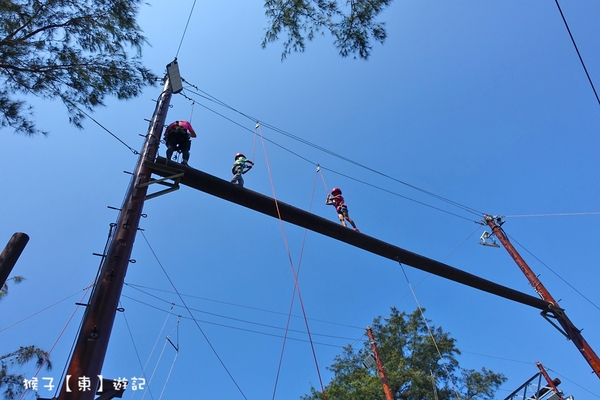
(335, 199)
(240, 167)
(178, 138)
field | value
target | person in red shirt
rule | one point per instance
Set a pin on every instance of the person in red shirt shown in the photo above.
(335, 199)
(177, 136)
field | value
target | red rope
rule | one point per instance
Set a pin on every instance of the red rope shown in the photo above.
(58, 338)
(287, 325)
(296, 285)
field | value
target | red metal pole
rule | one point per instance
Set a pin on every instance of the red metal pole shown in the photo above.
(382, 375)
(551, 383)
(570, 330)
(85, 368)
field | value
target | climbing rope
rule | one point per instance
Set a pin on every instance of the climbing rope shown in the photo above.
(193, 318)
(155, 368)
(320, 171)
(327, 151)
(577, 51)
(137, 353)
(111, 230)
(134, 151)
(430, 333)
(57, 339)
(152, 351)
(44, 309)
(287, 325)
(185, 29)
(296, 285)
(174, 359)
(192, 111)
(256, 127)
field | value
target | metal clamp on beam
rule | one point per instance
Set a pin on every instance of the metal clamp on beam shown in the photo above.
(171, 173)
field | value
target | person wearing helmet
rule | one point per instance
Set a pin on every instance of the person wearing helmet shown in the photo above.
(335, 199)
(240, 167)
(177, 136)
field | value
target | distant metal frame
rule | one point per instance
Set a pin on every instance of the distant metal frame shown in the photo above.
(532, 391)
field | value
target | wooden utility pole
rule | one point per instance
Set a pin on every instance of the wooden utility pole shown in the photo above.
(85, 367)
(382, 375)
(553, 311)
(11, 254)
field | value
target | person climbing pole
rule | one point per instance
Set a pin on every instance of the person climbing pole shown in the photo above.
(335, 199)
(240, 167)
(178, 138)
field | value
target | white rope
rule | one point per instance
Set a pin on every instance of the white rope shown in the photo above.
(167, 340)
(154, 347)
(430, 333)
(154, 371)
(174, 359)
(169, 375)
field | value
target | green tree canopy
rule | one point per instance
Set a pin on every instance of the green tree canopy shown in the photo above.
(78, 51)
(81, 51)
(352, 24)
(410, 352)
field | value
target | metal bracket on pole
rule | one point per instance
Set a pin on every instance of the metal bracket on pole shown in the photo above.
(557, 314)
(547, 317)
(553, 310)
(111, 392)
(175, 175)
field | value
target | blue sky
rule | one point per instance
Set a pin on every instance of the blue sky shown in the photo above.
(482, 103)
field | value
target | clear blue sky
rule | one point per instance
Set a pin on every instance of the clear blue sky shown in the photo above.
(482, 103)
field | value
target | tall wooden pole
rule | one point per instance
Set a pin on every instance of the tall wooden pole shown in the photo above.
(554, 310)
(382, 375)
(10, 255)
(85, 368)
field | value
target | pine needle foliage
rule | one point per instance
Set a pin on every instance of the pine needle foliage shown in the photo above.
(12, 383)
(352, 23)
(4, 288)
(77, 51)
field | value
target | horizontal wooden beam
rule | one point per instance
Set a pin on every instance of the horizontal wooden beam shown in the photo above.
(245, 197)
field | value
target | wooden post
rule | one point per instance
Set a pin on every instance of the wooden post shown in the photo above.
(11, 254)
(84, 373)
